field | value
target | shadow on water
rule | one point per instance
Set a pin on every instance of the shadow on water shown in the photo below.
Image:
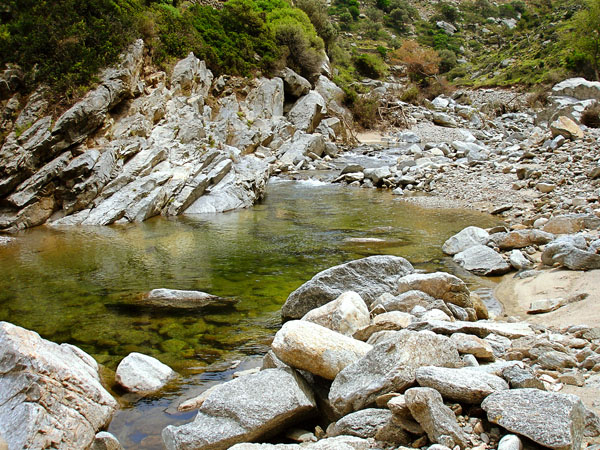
(76, 285)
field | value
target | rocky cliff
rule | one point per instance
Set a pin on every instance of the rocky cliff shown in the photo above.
(143, 143)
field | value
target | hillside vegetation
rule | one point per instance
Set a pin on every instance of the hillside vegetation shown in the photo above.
(64, 43)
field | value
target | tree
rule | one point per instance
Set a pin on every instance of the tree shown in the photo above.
(585, 35)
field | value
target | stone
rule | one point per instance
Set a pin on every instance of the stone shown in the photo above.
(389, 367)
(510, 442)
(462, 385)
(567, 255)
(377, 175)
(51, 394)
(438, 421)
(555, 360)
(519, 261)
(571, 223)
(294, 84)
(178, 299)
(142, 373)
(367, 423)
(106, 441)
(464, 239)
(266, 100)
(545, 305)
(481, 328)
(190, 74)
(482, 260)
(299, 147)
(393, 320)
(331, 443)
(440, 285)
(369, 277)
(473, 345)
(235, 411)
(444, 120)
(346, 314)
(550, 419)
(521, 238)
(545, 188)
(449, 29)
(578, 88)
(307, 112)
(319, 350)
(564, 126)
(404, 302)
(334, 98)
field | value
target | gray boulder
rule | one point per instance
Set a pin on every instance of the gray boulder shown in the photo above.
(482, 260)
(390, 367)
(369, 277)
(266, 100)
(567, 255)
(235, 411)
(444, 120)
(464, 239)
(105, 441)
(460, 385)
(519, 261)
(370, 423)
(307, 112)
(142, 373)
(550, 419)
(50, 394)
(404, 302)
(191, 75)
(299, 147)
(578, 88)
(178, 299)
(332, 443)
(438, 421)
(481, 328)
(294, 84)
(346, 314)
(440, 285)
(571, 223)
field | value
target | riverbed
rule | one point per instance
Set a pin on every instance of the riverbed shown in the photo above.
(85, 285)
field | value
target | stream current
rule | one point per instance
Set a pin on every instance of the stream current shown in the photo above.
(83, 285)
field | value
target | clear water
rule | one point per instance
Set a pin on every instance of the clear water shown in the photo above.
(82, 285)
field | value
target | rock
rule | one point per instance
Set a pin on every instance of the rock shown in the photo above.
(369, 277)
(564, 126)
(567, 255)
(404, 302)
(545, 305)
(105, 441)
(466, 238)
(378, 174)
(307, 112)
(334, 97)
(266, 100)
(294, 84)
(190, 74)
(482, 260)
(578, 88)
(545, 188)
(332, 443)
(346, 314)
(390, 367)
(235, 411)
(51, 394)
(518, 260)
(393, 320)
(142, 373)
(438, 421)
(510, 442)
(448, 28)
(460, 385)
(473, 345)
(522, 377)
(550, 419)
(521, 238)
(555, 360)
(319, 350)
(571, 223)
(174, 298)
(441, 285)
(480, 328)
(443, 120)
(368, 423)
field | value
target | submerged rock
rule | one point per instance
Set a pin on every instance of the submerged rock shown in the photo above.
(178, 299)
(50, 394)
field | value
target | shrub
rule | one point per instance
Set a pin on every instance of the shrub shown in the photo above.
(591, 116)
(364, 110)
(317, 13)
(411, 94)
(370, 65)
(420, 62)
(449, 12)
(447, 60)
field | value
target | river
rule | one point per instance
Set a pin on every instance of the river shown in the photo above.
(83, 285)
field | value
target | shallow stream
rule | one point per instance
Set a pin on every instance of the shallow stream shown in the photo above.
(83, 285)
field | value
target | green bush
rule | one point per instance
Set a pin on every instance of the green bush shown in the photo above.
(370, 65)
(447, 60)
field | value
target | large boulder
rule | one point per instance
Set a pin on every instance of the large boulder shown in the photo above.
(307, 112)
(142, 373)
(390, 367)
(50, 394)
(294, 84)
(191, 75)
(332, 443)
(550, 419)
(578, 88)
(521, 238)
(266, 100)
(404, 302)
(460, 385)
(571, 223)
(319, 350)
(565, 254)
(235, 411)
(369, 277)
(370, 423)
(481, 328)
(440, 285)
(464, 239)
(299, 147)
(438, 421)
(346, 314)
(482, 260)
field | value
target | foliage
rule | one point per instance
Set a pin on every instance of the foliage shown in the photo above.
(400, 14)
(421, 62)
(591, 116)
(364, 110)
(317, 13)
(371, 66)
(448, 11)
(584, 37)
(447, 60)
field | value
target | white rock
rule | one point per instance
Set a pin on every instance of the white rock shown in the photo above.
(143, 373)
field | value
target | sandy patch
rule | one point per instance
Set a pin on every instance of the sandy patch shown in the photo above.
(372, 138)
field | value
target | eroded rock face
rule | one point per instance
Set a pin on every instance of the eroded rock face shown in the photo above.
(390, 366)
(550, 419)
(50, 394)
(235, 411)
(369, 277)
